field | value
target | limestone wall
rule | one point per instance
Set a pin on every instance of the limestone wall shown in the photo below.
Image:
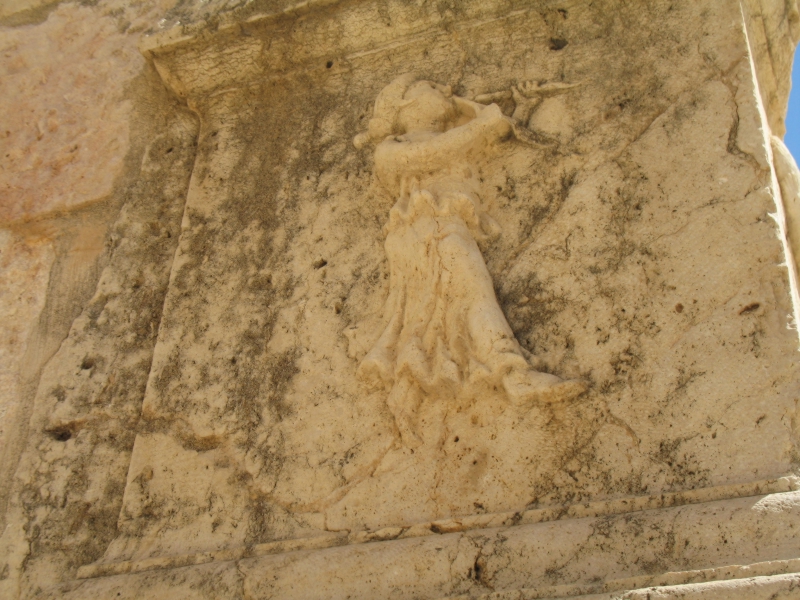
(197, 262)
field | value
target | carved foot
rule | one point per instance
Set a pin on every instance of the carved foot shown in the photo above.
(525, 388)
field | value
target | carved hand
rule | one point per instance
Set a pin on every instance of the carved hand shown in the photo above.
(503, 125)
(531, 137)
(524, 104)
(529, 89)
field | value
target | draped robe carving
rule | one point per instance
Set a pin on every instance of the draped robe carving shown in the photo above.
(446, 331)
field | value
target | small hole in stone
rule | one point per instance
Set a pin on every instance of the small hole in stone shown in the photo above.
(320, 263)
(558, 43)
(456, 439)
(679, 308)
(329, 64)
(477, 570)
(170, 150)
(60, 435)
(750, 308)
(87, 363)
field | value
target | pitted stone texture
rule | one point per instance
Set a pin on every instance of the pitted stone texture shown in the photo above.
(25, 263)
(66, 122)
(638, 254)
(562, 559)
(65, 103)
(67, 490)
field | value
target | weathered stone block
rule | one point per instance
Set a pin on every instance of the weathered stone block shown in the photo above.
(520, 324)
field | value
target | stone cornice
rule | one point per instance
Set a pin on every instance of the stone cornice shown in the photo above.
(239, 49)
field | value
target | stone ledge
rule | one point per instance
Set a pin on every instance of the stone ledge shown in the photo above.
(788, 570)
(597, 509)
(243, 50)
(707, 541)
(183, 35)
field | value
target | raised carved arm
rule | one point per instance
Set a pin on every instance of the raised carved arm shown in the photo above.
(521, 101)
(394, 158)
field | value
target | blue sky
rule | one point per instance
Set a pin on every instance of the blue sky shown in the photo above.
(792, 138)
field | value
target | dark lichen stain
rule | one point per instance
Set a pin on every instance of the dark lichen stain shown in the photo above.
(65, 529)
(540, 306)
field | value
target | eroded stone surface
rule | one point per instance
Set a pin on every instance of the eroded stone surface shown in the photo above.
(78, 119)
(68, 105)
(69, 484)
(206, 406)
(774, 30)
(548, 560)
(25, 270)
(67, 115)
(638, 255)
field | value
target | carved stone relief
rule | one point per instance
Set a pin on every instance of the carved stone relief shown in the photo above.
(542, 284)
(446, 334)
